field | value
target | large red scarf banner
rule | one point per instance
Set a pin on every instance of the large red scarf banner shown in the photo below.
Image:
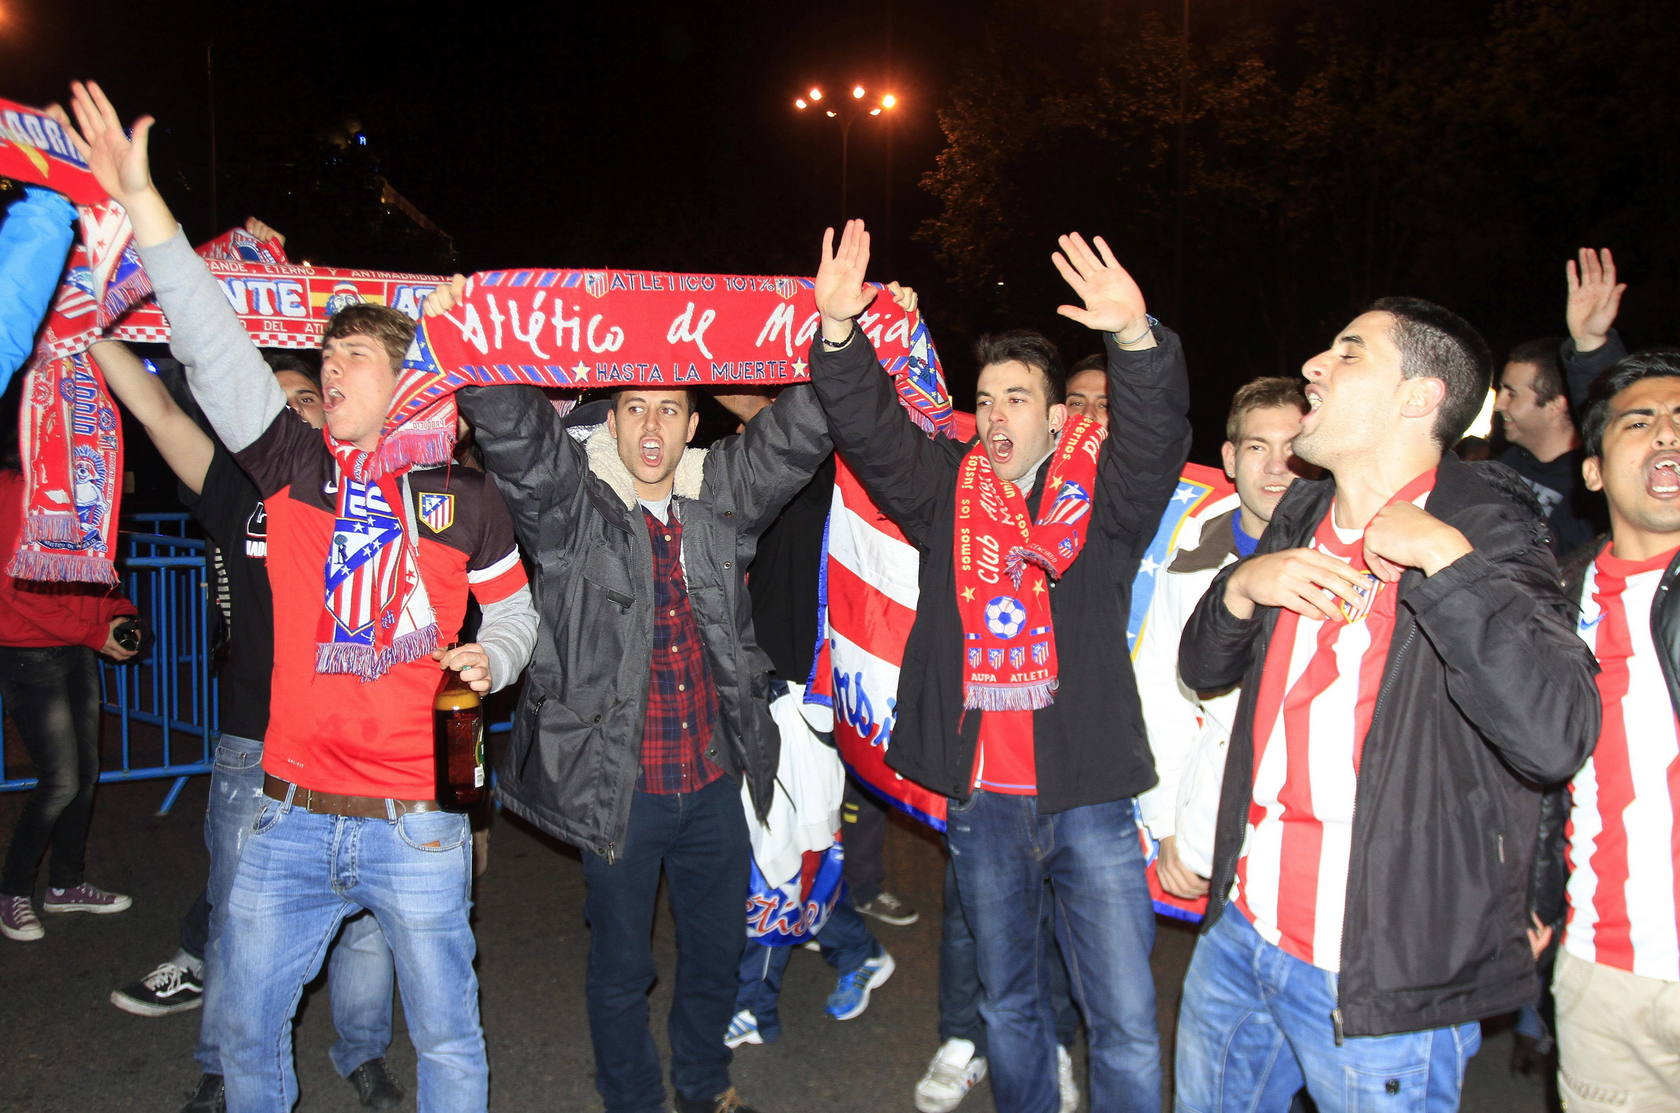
(70, 435)
(35, 149)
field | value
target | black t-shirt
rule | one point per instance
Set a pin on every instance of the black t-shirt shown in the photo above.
(1574, 514)
(783, 578)
(232, 516)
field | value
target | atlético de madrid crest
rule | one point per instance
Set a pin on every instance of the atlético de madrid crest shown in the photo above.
(437, 511)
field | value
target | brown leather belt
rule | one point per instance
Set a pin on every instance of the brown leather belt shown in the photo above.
(328, 803)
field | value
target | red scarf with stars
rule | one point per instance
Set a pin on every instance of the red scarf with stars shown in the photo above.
(1005, 562)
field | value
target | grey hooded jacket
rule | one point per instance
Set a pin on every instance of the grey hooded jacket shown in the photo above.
(576, 750)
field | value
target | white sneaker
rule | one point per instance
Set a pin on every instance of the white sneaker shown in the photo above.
(743, 1028)
(954, 1071)
(1064, 1080)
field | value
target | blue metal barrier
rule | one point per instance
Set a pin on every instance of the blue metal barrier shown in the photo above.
(172, 690)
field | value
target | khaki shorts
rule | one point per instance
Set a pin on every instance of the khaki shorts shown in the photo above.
(1618, 1039)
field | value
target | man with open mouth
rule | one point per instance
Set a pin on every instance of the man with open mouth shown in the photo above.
(648, 701)
(1016, 697)
(1408, 676)
(1617, 978)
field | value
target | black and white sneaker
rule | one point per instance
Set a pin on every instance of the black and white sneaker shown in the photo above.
(172, 988)
(889, 910)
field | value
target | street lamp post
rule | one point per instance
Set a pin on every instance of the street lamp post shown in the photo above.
(847, 111)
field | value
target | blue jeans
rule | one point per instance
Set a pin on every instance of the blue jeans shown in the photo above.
(959, 980)
(360, 974)
(300, 875)
(1254, 1027)
(846, 943)
(52, 694)
(1009, 859)
(700, 841)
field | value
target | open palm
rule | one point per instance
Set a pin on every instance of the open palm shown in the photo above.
(1112, 299)
(119, 162)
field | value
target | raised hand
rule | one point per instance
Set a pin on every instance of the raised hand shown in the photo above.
(840, 292)
(119, 163)
(1594, 297)
(903, 296)
(263, 232)
(1113, 302)
(446, 297)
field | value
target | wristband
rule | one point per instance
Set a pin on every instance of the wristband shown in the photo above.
(1148, 326)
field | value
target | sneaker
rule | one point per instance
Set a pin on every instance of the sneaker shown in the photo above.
(742, 1029)
(1064, 1080)
(210, 1097)
(84, 898)
(889, 910)
(376, 1087)
(18, 920)
(171, 988)
(851, 993)
(727, 1102)
(954, 1071)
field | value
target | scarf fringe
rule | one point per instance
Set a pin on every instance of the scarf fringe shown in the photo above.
(63, 528)
(402, 450)
(1010, 697)
(1015, 563)
(370, 664)
(61, 567)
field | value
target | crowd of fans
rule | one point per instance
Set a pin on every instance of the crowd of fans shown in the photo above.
(1401, 726)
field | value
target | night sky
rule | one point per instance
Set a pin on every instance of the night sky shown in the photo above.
(530, 138)
(663, 136)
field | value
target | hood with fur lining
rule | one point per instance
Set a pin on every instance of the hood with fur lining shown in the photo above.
(604, 462)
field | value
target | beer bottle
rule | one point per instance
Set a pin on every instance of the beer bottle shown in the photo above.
(458, 742)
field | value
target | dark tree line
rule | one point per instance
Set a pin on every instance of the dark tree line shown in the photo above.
(1332, 153)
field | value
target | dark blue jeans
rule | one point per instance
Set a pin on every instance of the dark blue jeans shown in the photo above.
(1010, 860)
(52, 694)
(959, 979)
(846, 944)
(699, 840)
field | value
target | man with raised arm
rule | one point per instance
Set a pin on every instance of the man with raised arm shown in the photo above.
(365, 587)
(1612, 849)
(1016, 698)
(649, 696)
(1408, 676)
(228, 508)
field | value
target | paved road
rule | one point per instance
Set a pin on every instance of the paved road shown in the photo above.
(67, 1049)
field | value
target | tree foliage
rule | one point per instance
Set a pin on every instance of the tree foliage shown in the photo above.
(1331, 154)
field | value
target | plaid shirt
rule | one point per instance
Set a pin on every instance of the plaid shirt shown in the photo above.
(682, 701)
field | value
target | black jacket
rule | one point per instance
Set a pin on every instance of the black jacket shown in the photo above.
(1550, 882)
(1089, 744)
(1487, 691)
(576, 751)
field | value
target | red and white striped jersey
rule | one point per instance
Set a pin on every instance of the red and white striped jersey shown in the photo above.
(1624, 825)
(1312, 712)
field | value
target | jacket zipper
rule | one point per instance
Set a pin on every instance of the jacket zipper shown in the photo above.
(1376, 710)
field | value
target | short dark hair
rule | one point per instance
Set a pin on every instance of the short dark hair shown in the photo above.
(1025, 346)
(393, 330)
(1096, 361)
(1263, 393)
(280, 360)
(692, 395)
(1436, 343)
(1548, 366)
(1629, 370)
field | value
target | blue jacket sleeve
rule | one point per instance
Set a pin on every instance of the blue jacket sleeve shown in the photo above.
(33, 244)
